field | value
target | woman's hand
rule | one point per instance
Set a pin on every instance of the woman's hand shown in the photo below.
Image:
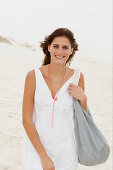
(47, 163)
(76, 92)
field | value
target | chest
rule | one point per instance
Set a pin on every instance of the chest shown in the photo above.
(44, 96)
(54, 85)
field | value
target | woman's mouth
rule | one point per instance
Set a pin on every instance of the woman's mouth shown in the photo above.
(59, 57)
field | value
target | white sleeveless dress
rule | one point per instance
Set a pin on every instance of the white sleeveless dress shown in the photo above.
(59, 141)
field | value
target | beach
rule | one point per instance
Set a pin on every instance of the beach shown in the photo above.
(15, 62)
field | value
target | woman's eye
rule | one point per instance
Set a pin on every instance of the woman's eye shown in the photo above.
(55, 46)
(65, 47)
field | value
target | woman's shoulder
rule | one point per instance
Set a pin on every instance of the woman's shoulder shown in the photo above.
(30, 83)
(30, 78)
(31, 74)
(81, 82)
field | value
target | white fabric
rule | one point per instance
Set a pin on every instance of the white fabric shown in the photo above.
(59, 141)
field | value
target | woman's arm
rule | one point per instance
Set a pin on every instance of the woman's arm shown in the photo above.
(27, 113)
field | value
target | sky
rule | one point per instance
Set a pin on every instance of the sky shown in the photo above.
(31, 20)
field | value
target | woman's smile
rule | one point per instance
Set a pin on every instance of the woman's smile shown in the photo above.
(59, 57)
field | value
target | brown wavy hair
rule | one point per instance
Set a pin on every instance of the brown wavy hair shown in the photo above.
(48, 40)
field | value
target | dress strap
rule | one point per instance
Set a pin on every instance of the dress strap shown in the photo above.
(36, 70)
(37, 76)
(76, 76)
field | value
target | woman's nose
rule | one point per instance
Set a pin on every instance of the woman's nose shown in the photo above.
(60, 52)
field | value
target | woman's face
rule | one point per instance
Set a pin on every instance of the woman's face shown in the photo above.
(60, 50)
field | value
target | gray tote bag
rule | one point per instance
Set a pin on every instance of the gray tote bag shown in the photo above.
(92, 147)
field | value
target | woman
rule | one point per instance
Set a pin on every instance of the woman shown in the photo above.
(50, 143)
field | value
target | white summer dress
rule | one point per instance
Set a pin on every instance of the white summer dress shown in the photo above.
(59, 141)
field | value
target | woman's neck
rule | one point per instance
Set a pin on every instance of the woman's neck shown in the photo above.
(56, 70)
